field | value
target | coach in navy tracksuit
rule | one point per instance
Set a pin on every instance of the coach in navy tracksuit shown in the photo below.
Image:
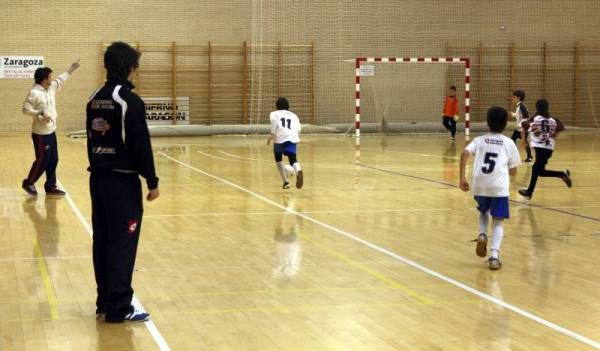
(119, 150)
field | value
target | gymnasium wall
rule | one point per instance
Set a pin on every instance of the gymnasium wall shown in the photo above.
(502, 59)
(62, 31)
(343, 29)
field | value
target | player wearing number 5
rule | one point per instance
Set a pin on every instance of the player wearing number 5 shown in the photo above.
(543, 130)
(285, 127)
(495, 158)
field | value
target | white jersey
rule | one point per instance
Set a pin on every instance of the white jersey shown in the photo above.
(43, 100)
(285, 125)
(542, 132)
(494, 154)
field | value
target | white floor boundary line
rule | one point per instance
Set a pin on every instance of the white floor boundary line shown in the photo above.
(232, 214)
(156, 335)
(403, 259)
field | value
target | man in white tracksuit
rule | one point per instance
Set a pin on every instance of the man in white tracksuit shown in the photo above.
(40, 104)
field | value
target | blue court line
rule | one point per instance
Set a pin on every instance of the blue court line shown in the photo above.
(595, 219)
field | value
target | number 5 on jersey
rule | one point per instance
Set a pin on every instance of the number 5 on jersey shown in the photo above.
(490, 162)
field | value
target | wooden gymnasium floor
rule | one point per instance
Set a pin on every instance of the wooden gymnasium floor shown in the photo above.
(369, 258)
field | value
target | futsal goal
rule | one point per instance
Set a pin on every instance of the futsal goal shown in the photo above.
(405, 94)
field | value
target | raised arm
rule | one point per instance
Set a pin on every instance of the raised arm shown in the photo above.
(74, 66)
(58, 82)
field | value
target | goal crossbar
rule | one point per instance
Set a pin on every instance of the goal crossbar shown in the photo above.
(421, 60)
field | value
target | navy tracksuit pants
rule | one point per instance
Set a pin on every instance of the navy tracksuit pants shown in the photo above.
(116, 221)
(46, 159)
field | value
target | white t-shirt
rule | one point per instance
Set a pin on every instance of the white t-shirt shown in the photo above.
(494, 154)
(542, 131)
(285, 125)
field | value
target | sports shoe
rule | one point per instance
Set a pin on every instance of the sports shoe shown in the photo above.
(137, 316)
(494, 263)
(526, 194)
(100, 314)
(286, 185)
(55, 191)
(528, 160)
(452, 138)
(29, 188)
(567, 178)
(481, 249)
(299, 179)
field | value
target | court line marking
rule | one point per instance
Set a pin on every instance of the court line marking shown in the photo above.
(304, 164)
(374, 273)
(241, 159)
(226, 214)
(369, 271)
(345, 166)
(156, 335)
(50, 294)
(310, 307)
(274, 308)
(402, 259)
(13, 259)
(553, 209)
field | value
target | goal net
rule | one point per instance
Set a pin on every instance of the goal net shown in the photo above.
(406, 94)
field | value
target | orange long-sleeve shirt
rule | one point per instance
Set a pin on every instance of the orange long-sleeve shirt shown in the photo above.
(451, 106)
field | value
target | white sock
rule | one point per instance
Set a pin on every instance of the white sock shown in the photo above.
(281, 169)
(484, 219)
(497, 236)
(297, 167)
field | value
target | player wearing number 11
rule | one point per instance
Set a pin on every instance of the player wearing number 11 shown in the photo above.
(495, 158)
(285, 127)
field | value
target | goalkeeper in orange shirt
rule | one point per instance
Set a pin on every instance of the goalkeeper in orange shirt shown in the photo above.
(451, 112)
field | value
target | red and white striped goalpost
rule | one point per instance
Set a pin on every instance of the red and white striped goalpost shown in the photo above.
(451, 60)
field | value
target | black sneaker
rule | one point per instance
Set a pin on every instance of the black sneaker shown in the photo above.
(481, 249)
(55, 191)
(528, 160)
(299, 180)
(29, 188)
(567, 178)
(286, 185)
(494, 263)
(526, 194)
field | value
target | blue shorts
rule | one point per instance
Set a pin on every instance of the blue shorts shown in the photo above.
(285, 148)
(498, 206)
